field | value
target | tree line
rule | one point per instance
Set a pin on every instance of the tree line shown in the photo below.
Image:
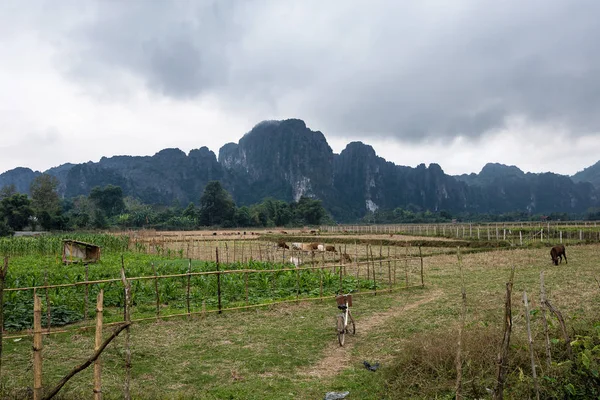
(414, 214)
(106, 207)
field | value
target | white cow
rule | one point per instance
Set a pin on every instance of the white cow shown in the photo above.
(295, 260)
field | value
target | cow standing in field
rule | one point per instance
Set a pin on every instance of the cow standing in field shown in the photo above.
(558, 252)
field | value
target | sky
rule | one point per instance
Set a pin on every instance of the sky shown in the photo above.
(458, 83)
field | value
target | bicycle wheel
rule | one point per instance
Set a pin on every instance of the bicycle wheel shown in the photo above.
(351, 328)
(341, 331)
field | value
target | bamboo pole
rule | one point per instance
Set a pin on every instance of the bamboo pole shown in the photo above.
(37, 348)
(127, 318)
(502, 360)
(530, 339)
(187, 297)
(86, 298)
(218, 279)
(87, 362)
(561, 321)
(374, 278)
(98, 343)
(156, 291)
(357, 265)
(48, 319)
(3, 273)
(297, 283)
(406, 268)
(368, 269)
(422, 275)
(341, 269)
(389, 267)
(460, 329)
(380, 260)
(545, 320)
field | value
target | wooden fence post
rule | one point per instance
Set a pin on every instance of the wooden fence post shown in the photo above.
(48, 316)
(127, 318)
(502, 360)
(157, 293)
(460, 329)
(97, 344)
(530, 340)
(219, 280)
(187, 297)
(86, 298)
(37, 348)
(561, 321)
(544, 319)
(3, 273)
(374, 279)
(422, 275)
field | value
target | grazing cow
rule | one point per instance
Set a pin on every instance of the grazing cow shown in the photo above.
(558, 252)
(281, 243)
(330, 248)
(307, 247)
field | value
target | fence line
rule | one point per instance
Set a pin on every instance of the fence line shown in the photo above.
(224, 272)
(342, 268)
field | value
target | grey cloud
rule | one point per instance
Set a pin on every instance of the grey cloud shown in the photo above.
(414, 70)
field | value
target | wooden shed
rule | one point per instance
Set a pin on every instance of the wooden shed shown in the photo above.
(75, 251)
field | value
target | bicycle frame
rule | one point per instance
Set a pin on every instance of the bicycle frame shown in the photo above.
(345, 322)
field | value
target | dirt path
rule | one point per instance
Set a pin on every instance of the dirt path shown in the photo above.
(336, 356)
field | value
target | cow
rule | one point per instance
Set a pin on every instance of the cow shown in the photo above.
(557, 252)
(295, 260)
(281, 243)
(330, 248)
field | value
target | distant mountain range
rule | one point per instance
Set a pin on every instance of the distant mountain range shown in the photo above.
(286, 160)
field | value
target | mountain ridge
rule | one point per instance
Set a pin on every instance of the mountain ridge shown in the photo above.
(286, 160)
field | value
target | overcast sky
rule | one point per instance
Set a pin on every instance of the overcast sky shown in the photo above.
(459, 83)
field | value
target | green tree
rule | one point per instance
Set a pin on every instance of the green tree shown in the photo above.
(243, 217)
(108, 199)
(8, 191)
(16, 211)
(216, 206)
(309, 211)
(190, 211)
(45, 201)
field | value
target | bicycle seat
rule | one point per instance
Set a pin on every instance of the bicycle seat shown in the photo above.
(343, 307)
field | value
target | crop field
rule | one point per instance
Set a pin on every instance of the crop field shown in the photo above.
(280, 342)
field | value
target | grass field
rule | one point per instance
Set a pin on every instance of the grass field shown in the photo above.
(290, 351)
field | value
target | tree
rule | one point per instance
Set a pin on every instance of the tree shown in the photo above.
(8, 191)
(243, 217)
(44, 195)
(45, 200)
(108, 199)
(216, 205)
(16, 211)
(190, 211)
(309, 211)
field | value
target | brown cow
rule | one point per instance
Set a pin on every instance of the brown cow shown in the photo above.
(557, 253)
(282, 244)
(330, 248)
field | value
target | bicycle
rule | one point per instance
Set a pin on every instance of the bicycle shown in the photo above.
(345, 322)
